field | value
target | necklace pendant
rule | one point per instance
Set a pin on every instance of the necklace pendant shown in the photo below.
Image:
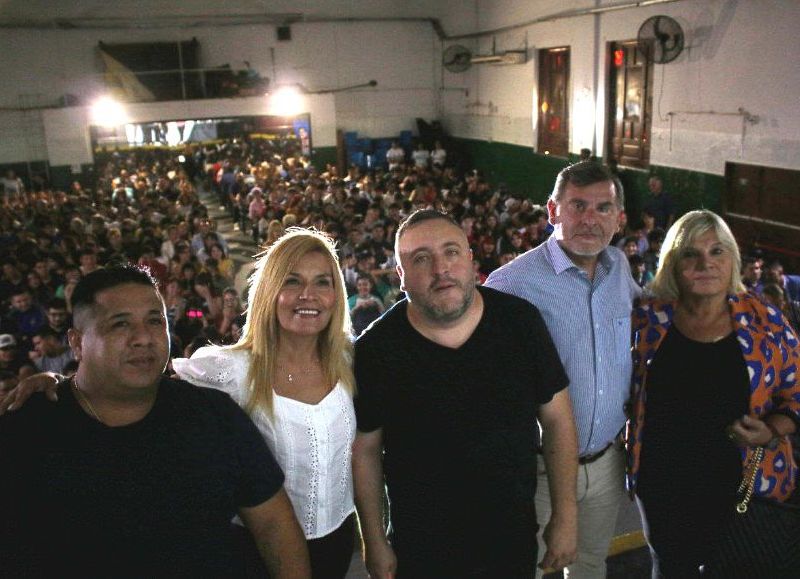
(290, 378)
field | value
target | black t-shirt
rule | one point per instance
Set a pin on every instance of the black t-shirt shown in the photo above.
(151, 499)
(689, 469)
(460, 434)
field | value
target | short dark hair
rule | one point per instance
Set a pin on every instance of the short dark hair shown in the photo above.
(99, 280)
(774, 291)
(57, 304)
(204, 278)
(537, 214)
(774, 264)
(367, 277)
(46, 332)
(635, 260)
(420, 216)
(587, 173)
(657, 235)
(20, 290)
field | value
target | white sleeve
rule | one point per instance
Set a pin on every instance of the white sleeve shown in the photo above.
(216, 367)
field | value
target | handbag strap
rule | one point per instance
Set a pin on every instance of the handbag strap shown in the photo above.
(748, 484)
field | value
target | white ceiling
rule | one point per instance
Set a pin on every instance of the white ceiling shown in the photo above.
(96, 13)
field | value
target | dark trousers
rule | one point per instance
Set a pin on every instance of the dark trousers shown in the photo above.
(331, 554)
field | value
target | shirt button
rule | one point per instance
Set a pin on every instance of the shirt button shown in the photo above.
(599, 391)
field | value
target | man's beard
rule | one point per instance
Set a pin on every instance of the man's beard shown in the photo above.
(440, 314)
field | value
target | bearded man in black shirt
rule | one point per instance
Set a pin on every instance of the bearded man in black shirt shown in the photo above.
(451, 383)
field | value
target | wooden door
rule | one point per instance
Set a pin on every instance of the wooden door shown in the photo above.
(553, 101)
(630, 105)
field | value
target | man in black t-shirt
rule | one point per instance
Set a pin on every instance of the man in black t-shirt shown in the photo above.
(129, 474)
(451, 383)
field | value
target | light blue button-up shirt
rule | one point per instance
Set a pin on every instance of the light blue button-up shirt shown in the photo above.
(590, 322)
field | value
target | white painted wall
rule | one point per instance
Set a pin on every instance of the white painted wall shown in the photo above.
(402, 56)
(740, 53)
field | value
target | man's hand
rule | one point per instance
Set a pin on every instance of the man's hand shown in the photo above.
(380, 560)
(278, 537)
(561, 538)
(46, 382)
(368, 481)
(560, 448)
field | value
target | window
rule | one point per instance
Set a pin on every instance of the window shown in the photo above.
(630, 105)
(152, 71)
(553, 101)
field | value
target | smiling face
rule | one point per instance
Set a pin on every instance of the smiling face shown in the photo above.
(585, 219)
(436, 270)
(122, 341)
(364, 286)
(704, 268)
(306, 300)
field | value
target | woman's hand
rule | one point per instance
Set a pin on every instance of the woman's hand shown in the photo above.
(46, 382)
(748, 431)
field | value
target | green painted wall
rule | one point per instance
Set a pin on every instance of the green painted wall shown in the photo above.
(533, 175)
(689, 189)
(26, 171)
(522, 170)
(62, 177)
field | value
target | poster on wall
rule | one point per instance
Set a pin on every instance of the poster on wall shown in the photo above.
(302, 130)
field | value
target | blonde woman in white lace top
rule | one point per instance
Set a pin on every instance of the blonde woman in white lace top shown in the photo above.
(291, 370)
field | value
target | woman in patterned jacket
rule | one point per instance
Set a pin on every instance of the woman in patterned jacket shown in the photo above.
(714, 379)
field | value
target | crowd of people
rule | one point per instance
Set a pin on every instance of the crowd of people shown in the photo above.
(477, 312)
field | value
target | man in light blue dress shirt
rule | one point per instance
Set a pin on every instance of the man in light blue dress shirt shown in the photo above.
(584, 291)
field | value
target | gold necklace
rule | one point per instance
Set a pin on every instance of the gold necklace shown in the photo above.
(85, 401)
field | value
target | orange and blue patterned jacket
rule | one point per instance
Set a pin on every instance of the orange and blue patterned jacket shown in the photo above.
(771, 353)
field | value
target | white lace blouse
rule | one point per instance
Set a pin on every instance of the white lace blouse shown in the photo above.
(311, 442)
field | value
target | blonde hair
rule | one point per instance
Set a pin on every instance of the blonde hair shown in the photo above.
(680, 236)
(274, 231)
(261, 333)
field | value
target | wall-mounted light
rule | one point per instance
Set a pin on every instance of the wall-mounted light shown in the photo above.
(286, 101)
(107, 112)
